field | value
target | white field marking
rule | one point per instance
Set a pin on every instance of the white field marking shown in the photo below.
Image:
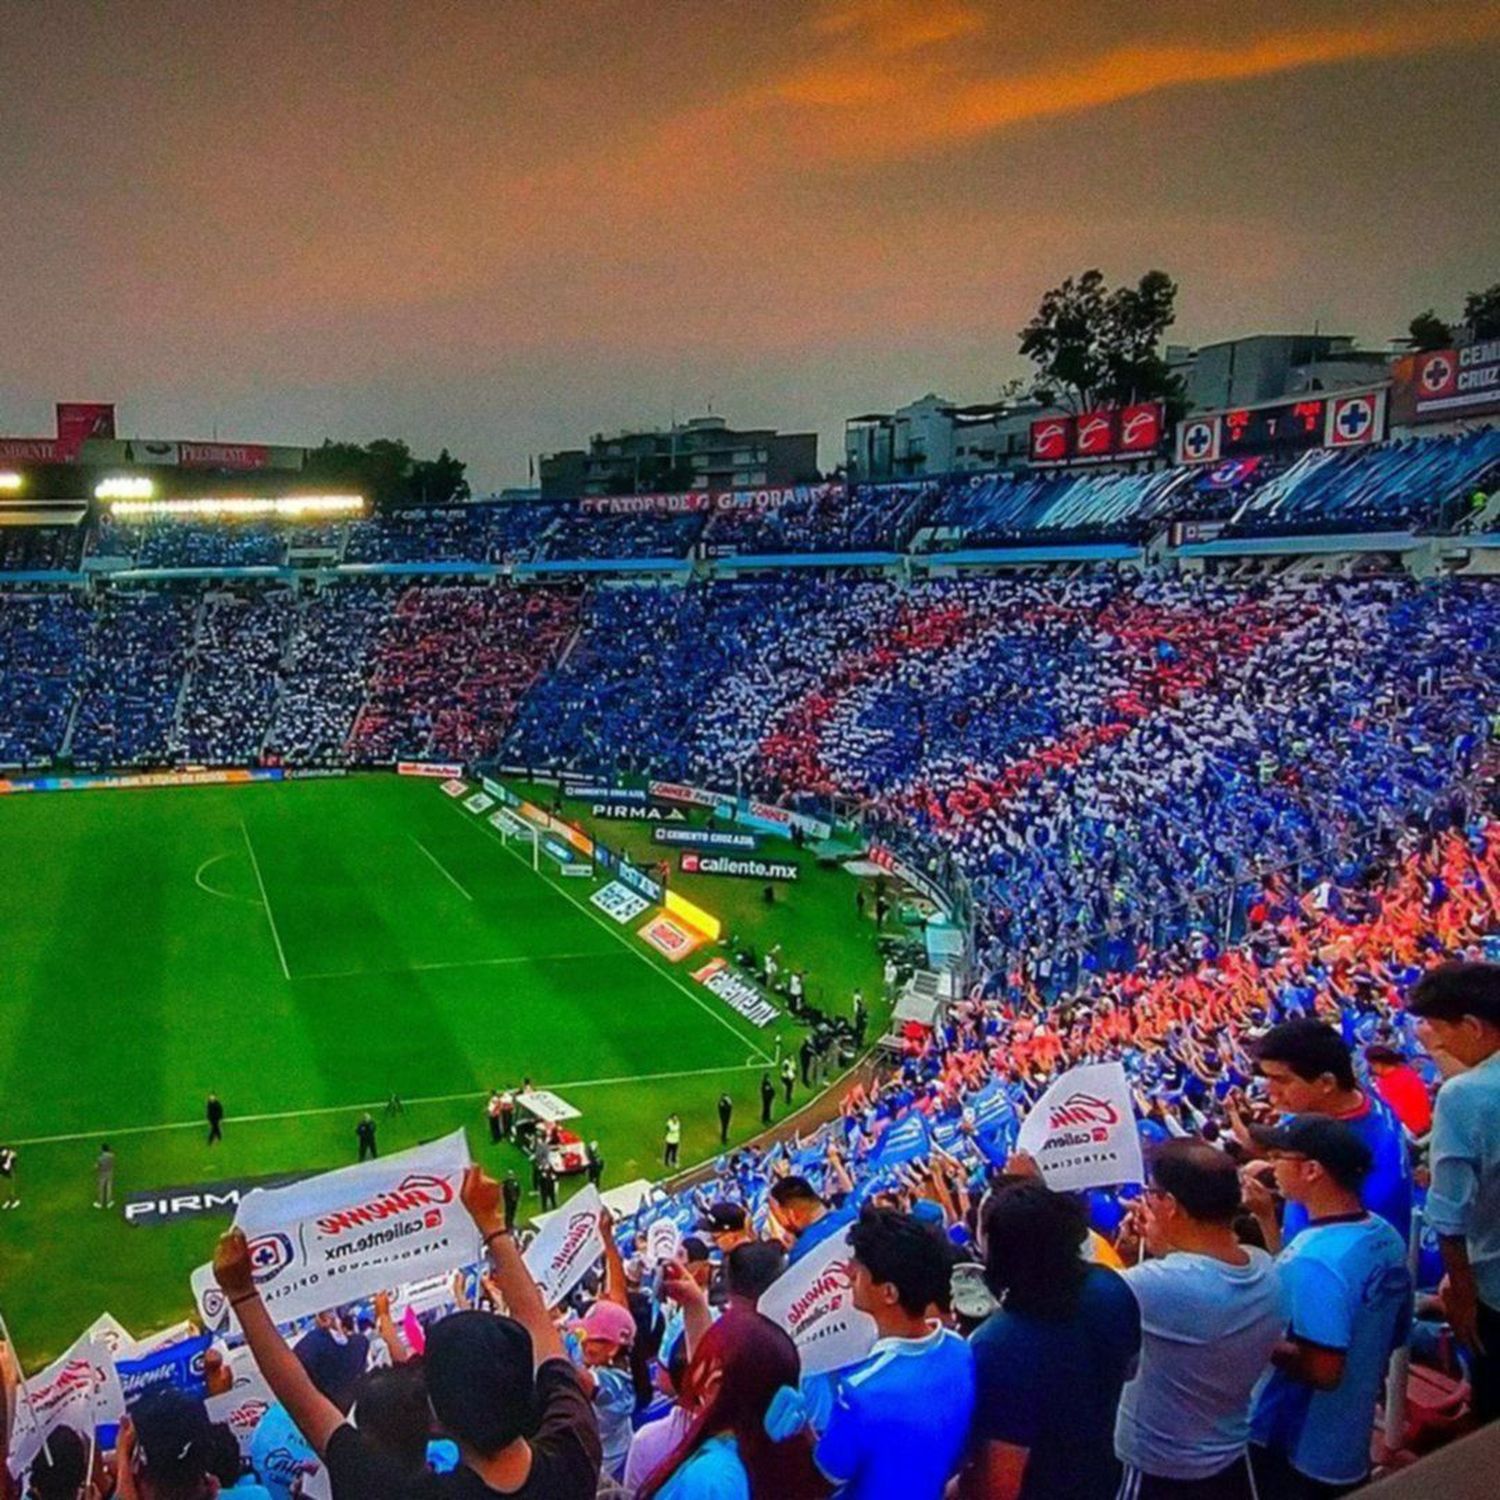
(614, 930)
(203, 885)
(373, 1104)
(461, 963)
(265, 901)
(441, 869)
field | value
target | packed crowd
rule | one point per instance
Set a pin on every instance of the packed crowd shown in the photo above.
(1222, 1329)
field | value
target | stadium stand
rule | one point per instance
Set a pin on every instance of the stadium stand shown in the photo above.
(1220, 827)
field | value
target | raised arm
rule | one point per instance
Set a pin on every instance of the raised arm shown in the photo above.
(481, 1196)
(317, 1418)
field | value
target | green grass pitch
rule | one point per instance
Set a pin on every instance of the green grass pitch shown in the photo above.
(306, 949)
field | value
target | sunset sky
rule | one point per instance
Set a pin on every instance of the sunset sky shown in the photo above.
(501, 225)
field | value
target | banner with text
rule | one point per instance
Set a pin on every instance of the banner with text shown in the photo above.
(350, 1233)
(1082, 1131)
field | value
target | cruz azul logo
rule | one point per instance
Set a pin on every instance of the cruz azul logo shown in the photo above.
(826, 1295)
(417, 1192)
(270, 1255)
(1080, 1111)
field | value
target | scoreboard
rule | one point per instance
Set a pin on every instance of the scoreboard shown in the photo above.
(1341, 420)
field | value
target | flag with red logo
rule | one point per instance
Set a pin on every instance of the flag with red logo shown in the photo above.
(1140, 428)
(1082, 1131)
(568, 1246)
(1051, 440)
(348, 1234)
(81, 1390)
(813, 1303)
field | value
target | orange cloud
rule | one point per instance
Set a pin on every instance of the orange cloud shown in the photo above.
(872, 111)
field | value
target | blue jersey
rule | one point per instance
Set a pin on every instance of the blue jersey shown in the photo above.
(900, 1420)
(1350, 1291)
(1387, 1190)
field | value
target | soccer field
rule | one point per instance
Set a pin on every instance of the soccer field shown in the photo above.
(306, 949)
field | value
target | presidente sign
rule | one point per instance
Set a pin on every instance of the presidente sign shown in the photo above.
(740, 869)
(351, 1233)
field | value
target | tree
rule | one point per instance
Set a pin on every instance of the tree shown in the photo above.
(386, 473)
(1482, 312)
(1100, 346)
(1063, 338)
(438, 480)
(1428, 331)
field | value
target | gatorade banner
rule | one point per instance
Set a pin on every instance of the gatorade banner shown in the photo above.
(567, 1246)
(81, 1390)
(351, 1233)
(1082, 1131)
(813, 1302)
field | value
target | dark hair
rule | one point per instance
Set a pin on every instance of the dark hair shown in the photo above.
(1310, 1049)
(61, 1467)
(223, 1460)
(643, 1348)
(1033, 1242)
(1452, 991)
(895, 1249)
(787, 1190)
(1380, 1053)
(755, 1359)
(1200, 1177)
(390, 1407)
(749, 1269)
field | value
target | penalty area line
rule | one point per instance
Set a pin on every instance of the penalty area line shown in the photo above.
(265, 901)
(374, 1104)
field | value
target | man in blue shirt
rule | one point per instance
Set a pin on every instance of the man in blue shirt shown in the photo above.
(1308, 1071)
(1350, 1295)
(1457, 1007)
(799, 1211)
(900, 1420)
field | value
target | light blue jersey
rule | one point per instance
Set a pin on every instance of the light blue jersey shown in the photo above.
(1350, 1291)
(901, 1419)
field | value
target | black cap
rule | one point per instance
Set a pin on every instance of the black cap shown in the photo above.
(480, 1379)
(695, 1249)
(723, 1218)
(173, 1434)
(1329, 1142)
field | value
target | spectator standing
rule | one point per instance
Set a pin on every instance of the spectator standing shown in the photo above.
(803, 1217)
(736, 1369)
(887, 1437)
(788, 1077)
(508, 1114)
(547, 1182)
(727, 1225)
(1212, 1311)
(1308, 1071)
(165, 1448)
(1401, 1086)
(8, 1159)
(1458, 1013)
(1350, 1299)
(510, 1191)
(104, 1177)
(501, 1387)
(595, 1163)
(672, 1144)
(364, 1133)
(1050, 1364)
(492, 1113)
(214, 1112)
(805, 1055)
(726, 1114)
(767, 1098)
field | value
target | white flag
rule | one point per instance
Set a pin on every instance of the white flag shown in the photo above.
(663, 1241)
(567, 1246)
(1082, 1131)
(113, 1334)
(813, 1302)
(214, 1311)
(81, 1390)
(348, 1234)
